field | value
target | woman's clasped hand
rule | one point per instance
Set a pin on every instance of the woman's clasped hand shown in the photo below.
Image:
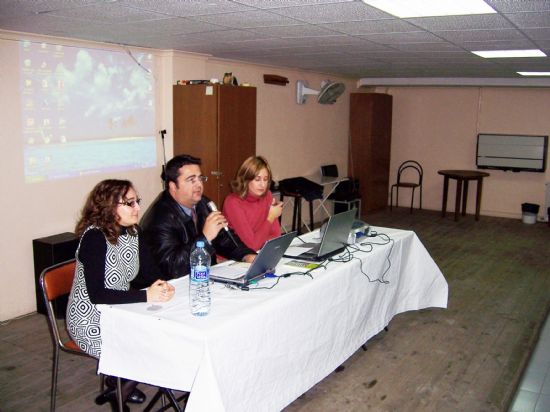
(160, 291)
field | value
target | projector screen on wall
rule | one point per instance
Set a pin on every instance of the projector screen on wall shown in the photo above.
(85, 111)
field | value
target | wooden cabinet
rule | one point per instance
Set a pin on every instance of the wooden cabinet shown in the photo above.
(216, 123)
(370, 147)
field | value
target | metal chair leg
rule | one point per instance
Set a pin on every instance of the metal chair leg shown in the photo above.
(297, 215)
(101, 382)
(154, 400)
(172, 401)
(119, 394)
(294, 214)
(397, 196)
(54, 378)
(310, 214)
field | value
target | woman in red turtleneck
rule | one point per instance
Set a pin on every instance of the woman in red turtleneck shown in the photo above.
(251, 210)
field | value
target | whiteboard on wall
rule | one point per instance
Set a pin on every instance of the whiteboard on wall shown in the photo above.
(512, 152)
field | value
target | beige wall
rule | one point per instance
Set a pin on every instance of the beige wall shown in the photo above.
(296, 140)
(438, 126)
(30, 211)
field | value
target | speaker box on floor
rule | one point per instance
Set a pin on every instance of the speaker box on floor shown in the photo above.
(48, 251)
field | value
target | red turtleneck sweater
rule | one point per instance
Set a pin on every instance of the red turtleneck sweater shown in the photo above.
(248, 218)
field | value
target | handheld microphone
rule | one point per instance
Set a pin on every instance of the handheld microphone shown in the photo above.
(212, 206)
(163, 174)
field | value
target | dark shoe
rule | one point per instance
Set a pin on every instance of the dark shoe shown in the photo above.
(136, 396)
(340, 368)
(109, 396)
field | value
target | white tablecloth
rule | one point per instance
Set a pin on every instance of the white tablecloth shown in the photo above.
(259, 350)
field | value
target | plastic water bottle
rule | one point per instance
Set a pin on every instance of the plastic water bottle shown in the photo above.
(199, 288)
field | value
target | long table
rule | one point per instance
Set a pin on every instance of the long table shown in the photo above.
(259, 350)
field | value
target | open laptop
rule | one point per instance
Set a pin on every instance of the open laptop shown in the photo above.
(241, 274)
(334, 238)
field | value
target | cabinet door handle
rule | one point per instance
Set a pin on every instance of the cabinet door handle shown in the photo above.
(216, 173)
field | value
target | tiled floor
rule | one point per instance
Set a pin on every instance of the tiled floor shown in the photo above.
(534, 390)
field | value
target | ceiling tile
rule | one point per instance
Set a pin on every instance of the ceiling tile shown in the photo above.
(372, 27)
(337, 36)
(402, 38)
(333, 13)
(113, 13)
(227, 36)
(427, 47)
(187, 8)
(247, 19)
(476, 22)
(461, 36)
(517, 44)
(14, 8)
(538, 34)
(169, 26)
(507, 6)
(273, 4)
(530, 20)
(302, 30)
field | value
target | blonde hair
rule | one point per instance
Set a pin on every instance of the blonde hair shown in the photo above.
(247, 172)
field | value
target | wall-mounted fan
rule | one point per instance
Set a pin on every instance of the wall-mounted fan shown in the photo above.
(330, 91)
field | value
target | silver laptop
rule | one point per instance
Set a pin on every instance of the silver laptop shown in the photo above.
(241, 274)
(334, 238)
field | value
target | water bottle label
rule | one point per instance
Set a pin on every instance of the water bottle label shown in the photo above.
(199, 273)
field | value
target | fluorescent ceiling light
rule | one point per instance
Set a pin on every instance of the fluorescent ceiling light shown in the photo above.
(534, 73)
(426, 8)
(495, 54)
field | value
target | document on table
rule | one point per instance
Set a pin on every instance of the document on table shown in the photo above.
(231, 270)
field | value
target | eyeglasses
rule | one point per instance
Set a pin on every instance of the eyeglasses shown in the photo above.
(131, 203)
(193, 179)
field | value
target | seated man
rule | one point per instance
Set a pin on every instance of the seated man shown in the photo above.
(179, 217)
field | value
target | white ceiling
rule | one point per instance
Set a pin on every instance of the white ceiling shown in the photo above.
(341, 37)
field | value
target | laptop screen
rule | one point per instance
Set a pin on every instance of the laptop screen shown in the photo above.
(266, 261)
(337, 232)
(333, 239)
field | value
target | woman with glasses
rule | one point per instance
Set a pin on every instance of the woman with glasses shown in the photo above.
(109, 257)
(251, 209)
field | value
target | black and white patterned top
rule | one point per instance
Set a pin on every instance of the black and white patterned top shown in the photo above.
(102, 276)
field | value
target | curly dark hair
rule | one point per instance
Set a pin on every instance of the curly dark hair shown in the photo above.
(100, 208)
(247, 172)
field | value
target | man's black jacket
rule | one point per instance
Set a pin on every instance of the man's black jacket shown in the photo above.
(171, 236)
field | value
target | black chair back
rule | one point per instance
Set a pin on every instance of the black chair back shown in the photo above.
(410, 165)
(409, 176)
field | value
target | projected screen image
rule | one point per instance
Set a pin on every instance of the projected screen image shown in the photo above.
(85, 111)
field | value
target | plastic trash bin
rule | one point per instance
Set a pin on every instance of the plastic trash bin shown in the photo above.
(529, 213)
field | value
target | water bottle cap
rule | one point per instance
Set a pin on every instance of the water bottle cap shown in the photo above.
(200, 243)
